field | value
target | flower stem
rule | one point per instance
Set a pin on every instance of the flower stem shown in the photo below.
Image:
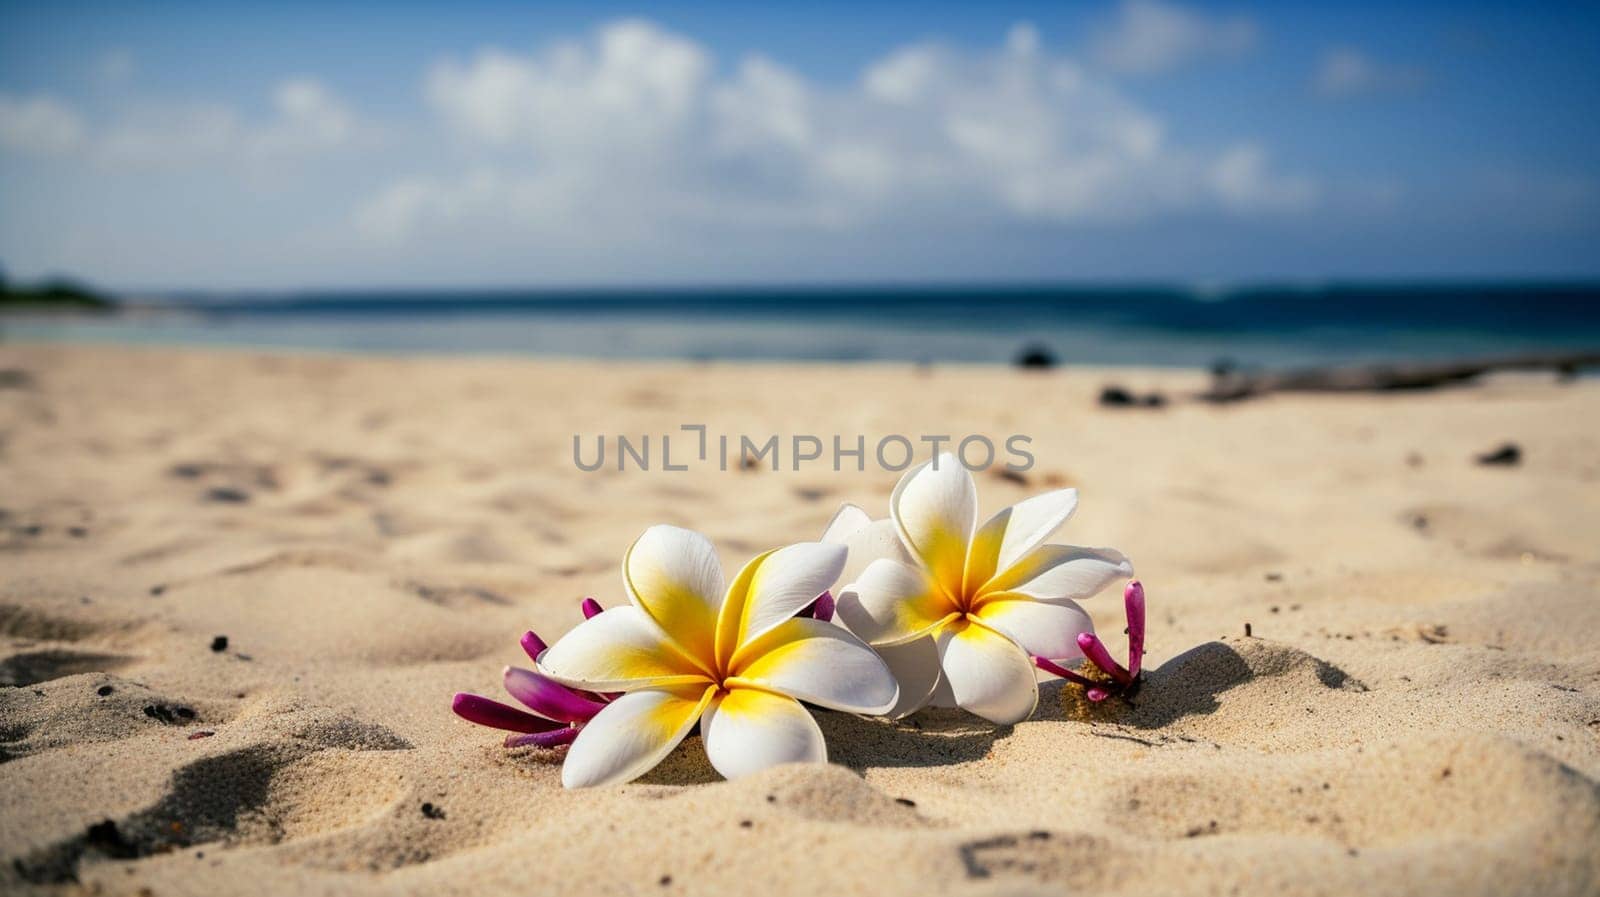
(1095, 650)
(1055, 669)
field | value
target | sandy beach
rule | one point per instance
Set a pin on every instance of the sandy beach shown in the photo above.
(237, 591)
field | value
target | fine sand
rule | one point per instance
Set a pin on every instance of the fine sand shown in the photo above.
(1417, 710)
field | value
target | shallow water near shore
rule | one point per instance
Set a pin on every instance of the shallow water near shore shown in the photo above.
(1074, 325)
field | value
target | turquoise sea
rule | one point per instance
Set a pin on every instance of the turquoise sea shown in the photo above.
(1165, 326)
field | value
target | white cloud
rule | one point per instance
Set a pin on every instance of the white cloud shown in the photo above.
(39, 125)
(632, 132)
(1241, 179)
(635, 83)
(1149, 37)
(389, 215)
(307, 118)
(1347, 72)
(155, 135)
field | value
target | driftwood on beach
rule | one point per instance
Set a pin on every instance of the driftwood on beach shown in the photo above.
(1231, 385)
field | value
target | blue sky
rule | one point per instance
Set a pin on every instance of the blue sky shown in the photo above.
(292, 145)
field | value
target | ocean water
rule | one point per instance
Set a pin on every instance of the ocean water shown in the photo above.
(1267, 326)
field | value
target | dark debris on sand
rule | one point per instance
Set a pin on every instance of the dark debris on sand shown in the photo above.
(1036, 356)
(171, 715)
(1507, 455)
(16, 378)
(1010, 476)
(1114, 396)
(1230, 384)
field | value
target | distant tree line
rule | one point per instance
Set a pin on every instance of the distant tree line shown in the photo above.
(51, 293)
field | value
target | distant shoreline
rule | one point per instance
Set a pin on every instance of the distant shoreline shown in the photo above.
(1158, 327)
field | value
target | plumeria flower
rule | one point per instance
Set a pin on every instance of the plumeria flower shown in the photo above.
(736, 659)
(957, 609)
(1123, 681)
(561, 711)
(558, 711)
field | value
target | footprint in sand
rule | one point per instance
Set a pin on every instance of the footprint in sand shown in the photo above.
(260, 793)
(40, 647)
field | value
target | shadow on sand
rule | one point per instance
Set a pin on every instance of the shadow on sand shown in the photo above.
(1190, 684)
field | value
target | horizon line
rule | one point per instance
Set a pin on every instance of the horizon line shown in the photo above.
(1197, 288)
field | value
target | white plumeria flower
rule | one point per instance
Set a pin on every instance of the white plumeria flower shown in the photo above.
(956, 609)
(737, 660)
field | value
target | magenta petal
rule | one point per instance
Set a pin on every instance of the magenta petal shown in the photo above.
(821, 609)
(533, 645)
(1133, 601)
(1098, 694)
(591, 608)
(1095, 650)
(551, 739)
(1056, 669)
(548, 697)
(484, 712)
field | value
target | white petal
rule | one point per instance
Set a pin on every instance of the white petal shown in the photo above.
(631, 735)
(989, 675)
(1009, 535)
(673, 575)
(846, 522)
(935, 507)
(915, 666)
(942, 695)
(819, 663)
(1034, 520)
(618, 650)
(748, 730)
(1061, 573)
(892, 602)
(876, 540)
(1047, 629)
(774, 587)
